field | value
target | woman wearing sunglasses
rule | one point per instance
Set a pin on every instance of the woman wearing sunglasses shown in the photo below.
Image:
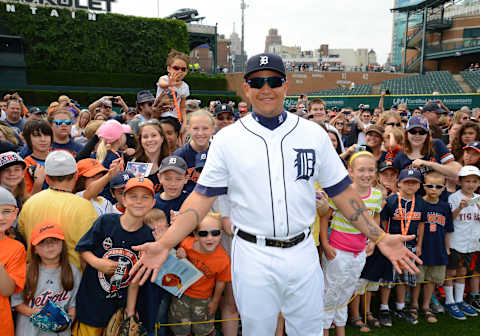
(61, 122)
(173, 84)
(390, 119)
(339, 123)
(421, 151)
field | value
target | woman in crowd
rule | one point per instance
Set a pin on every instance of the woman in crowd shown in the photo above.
(78, 130)
(152, 148)
(339, 123)
(422, 152)
(469, 132)
(201, 126)
(61, 123)
(389, 119)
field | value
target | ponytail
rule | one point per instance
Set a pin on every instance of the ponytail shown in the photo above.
(102, 150)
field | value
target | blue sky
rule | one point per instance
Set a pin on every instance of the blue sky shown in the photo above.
(305, 23)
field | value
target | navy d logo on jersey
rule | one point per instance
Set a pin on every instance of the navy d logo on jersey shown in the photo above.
(305, 163)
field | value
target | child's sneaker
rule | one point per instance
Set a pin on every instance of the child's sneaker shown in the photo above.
(384, 318)
(467, 309)
(436, 306)
(474, 301)
(404, 315)
(454, 311)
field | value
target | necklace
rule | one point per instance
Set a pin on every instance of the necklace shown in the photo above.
(62, 190)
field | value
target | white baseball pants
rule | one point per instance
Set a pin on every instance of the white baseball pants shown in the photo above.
(270, 280)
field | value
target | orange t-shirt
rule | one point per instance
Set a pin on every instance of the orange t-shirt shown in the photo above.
(214, 266)
(13, 257)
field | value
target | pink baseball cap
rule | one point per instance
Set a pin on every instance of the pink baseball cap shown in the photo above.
(112, 130)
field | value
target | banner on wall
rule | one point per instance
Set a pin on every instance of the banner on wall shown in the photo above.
(452, 101)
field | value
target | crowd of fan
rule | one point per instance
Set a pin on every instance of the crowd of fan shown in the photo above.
(70, 211)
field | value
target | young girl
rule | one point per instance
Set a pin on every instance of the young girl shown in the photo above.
(177, 68)
(39, 136)
(12, 169)
(92, 179)
(200, 127)
(78, 130)
(112, 139)
(152, 147)
(49, 277)
(61, 123)
(171, 129)
(344, 251)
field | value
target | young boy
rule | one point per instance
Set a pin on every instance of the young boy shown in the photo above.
(117, 187)
(157, 221)
(464, 241)
(173, 176)
(200, 301)
(13, 264)
(107, 250)
(404, 213)
(434, 248)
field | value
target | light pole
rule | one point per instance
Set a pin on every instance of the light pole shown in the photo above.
(243, 6)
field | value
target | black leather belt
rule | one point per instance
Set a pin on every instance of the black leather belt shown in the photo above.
(273, 242)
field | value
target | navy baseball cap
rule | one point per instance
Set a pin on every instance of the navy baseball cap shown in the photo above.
(120, 180)
(418, 121)
(410, 174)
(222, 108)
(434, 107)
(144, 96)
(265, 61)
(385, 165)
(35, 110)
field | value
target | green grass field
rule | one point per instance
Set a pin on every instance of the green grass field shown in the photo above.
(446, 326)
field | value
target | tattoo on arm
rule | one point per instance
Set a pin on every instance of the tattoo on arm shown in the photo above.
(359, 214)
(197, 216)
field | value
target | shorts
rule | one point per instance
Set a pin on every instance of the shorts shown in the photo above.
(457, 259)
(188, 309)
(377, 268)
(405, 278)
(475, 264)
(369, 285)
(435, 274)
(82, 329)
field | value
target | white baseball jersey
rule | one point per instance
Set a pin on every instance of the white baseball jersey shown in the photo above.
(270, 175)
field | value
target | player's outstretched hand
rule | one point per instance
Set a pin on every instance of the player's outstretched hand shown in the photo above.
(152, 256)
(393, 247)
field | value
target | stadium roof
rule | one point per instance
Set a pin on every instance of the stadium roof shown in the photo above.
(411, 5)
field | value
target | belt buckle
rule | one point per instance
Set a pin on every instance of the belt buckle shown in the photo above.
(261, 241)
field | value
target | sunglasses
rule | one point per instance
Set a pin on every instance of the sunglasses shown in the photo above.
(204, 233)
(61, 122)
(415, 132)
(434, 186)
(393, 124)
(339, 123)
(176, 68)
(258, 82)
(221, 118)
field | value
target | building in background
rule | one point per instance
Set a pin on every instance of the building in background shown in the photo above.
(272, 39)
(204, 56)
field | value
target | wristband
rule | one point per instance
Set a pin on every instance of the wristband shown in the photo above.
(380, 238)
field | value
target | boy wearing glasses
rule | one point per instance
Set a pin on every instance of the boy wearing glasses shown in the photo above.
(200, 301)
(434, 248)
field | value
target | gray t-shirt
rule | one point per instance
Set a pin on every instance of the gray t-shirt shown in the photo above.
(182, 93)
(49, 287)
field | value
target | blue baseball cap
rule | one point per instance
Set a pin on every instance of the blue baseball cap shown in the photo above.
(410, 174)
(418, 121)
(120, 180)
(144, 96)
(434, 107)
(265, 61)
(473, 145)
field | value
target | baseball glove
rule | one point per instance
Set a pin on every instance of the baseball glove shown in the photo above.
(132, 327)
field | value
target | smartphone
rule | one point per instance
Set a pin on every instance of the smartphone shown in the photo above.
(114, 100)
(360, 148)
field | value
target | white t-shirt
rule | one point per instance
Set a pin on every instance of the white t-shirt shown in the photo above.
(102, 205)
(182, 93)
(466, 235)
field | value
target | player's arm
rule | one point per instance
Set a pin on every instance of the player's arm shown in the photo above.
(393, 247)
(217, 294)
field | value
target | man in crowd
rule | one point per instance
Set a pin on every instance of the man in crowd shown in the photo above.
(433, 111)
(145, 101)
(14, 115)
(242, 109)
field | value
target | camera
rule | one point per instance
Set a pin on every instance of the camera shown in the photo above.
(360, 148)
(114, 100)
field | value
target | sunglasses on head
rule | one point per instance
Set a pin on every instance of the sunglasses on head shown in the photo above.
(434, 186)
(176, 68)
(61, 122)
(417, 131)
(258, 82)
(393, 124)
(204, 233)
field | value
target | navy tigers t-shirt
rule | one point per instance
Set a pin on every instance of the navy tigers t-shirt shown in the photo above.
(195, 162)
(173, 204)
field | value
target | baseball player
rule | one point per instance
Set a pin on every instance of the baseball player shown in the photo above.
(269, 177)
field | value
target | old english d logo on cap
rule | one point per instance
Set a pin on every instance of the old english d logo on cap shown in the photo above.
(263, 60)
